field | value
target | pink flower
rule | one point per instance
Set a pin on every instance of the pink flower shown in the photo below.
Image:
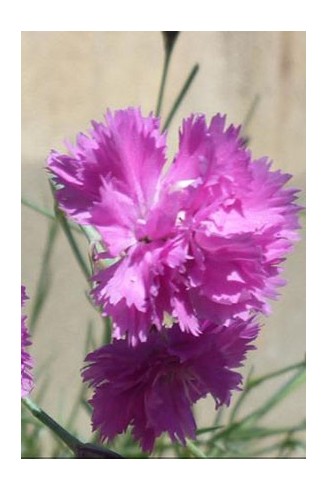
(26, 360)
(203, 240)
(153, 385)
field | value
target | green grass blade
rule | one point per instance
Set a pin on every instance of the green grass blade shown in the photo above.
(39, 209)
(73, 244)
(87, 407)
(44, 280)
(108, 325)
(251, 111)
(242, 397)
(90, 343)
(169, 43)
(252, 383)
(195, 450)
(297, 380)
(252, 418)
(45, 212)
(181, 96)
(206, 430)
(49, 422)
(167, 60)
(262, 432)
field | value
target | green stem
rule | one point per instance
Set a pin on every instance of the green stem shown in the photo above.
(71, 240)
(256, 381)
(237, 431)
(253, 417)
(80, 449)
(44, 280)
(205, 430)
(108, 324)
(194, 450)
(63, 435)
(242, 397)
(181, 96)
(252, 383)
(167, 59)
(262, 433)
(281, 446)
(250, 112)
(36, 207)
(290, 386)
(45, 212)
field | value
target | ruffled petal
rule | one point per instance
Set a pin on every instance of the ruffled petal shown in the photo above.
(152, 386)
(127, 150)
(27, 382)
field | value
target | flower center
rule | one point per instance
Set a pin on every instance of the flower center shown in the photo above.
(144, 239)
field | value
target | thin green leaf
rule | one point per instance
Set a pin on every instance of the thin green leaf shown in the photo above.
(49, 422)
(272, 448)
(289, 445)
(178, 450)
(181, 96)
(250, 384)
(80, 449)
(108, 325)
(73, 244)
(45, 279)
(297, 380)
(194, 450)
(257, 381)
(60, 216)
(218, 449)
(221, 411)
(261, 452)
(253, 417)
(251, 111)
(90, 343)
(39, 209)
(262, 432)
(169, 39)
(167, 59)
(242, 397)
(205, 430)
(45, 212)
(87, 407)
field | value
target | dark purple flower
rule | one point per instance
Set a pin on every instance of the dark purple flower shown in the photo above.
(26, 360)
(153, 385)
(203, 240)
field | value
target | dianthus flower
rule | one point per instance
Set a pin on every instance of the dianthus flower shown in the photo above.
(153, 385)
(203, 240)
(26, 360)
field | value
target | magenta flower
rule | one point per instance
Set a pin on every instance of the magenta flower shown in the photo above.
(203, 240)
(153, 385)
(26, 360)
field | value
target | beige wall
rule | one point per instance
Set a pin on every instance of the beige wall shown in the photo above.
(69, 78)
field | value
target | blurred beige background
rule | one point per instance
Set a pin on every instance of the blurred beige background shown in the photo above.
(69, 78)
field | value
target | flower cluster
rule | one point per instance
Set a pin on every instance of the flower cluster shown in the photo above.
(200, 242)
(153, 385)
(26, 360)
